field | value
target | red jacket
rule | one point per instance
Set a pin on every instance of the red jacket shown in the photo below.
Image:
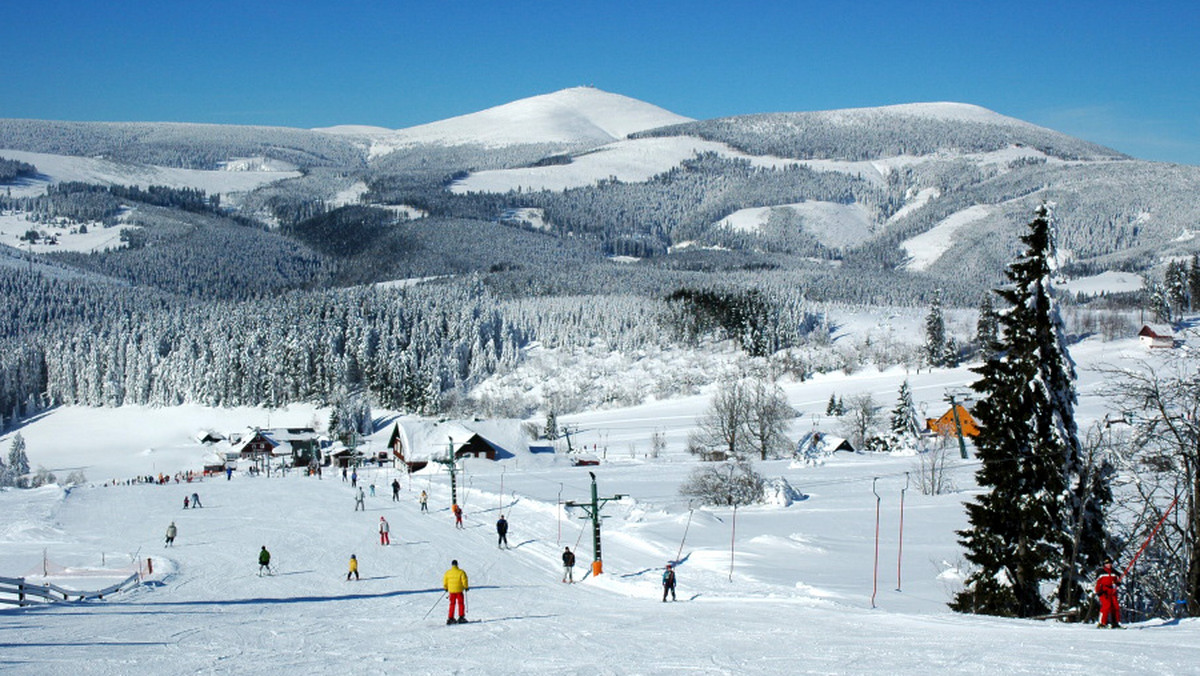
(1106, 584)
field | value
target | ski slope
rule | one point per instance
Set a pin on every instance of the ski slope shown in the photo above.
(784, 588)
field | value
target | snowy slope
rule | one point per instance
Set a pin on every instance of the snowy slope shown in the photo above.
(795, 594)
(61, 168)
(832, 224)
(576, 116)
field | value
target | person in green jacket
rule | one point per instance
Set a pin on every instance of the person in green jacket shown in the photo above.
(455, 583)
(264, 561)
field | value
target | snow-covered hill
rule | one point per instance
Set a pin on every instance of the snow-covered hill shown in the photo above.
(574, 117)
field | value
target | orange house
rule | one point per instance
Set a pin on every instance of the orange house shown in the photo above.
(944, 426)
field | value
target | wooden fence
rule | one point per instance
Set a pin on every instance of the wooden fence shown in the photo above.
(20, 592)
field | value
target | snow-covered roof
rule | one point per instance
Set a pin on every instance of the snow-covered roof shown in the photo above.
(429, 440)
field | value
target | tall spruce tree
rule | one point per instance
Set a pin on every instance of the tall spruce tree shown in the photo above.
(1040, 519)
(1193, 282)
(905, 426)
(935, 332)
(987, 329)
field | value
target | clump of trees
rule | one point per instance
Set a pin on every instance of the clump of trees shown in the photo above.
(746, 417)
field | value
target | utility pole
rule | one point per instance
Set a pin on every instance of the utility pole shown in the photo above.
(593, 513)
(450, 462)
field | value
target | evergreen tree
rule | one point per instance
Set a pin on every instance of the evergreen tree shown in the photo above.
(551, 429)
(1193, 282)
(18, 462)
(935, 332)
(832, 407)
(1040, 519)
(987, 330)
(1175, 283)
(904, 423)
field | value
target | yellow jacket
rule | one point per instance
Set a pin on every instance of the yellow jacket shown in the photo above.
(455, 580)
(353, 565)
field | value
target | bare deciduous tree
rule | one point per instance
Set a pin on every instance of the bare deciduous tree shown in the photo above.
(1162, 405)
(861, 419)
(766, 421)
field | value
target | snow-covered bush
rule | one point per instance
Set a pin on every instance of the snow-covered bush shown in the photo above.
(780, 493)
(728, 484)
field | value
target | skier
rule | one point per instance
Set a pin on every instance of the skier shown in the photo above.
(186, 502)
(395, 490)
(360, 501)
(668, 582)
(1106, 590)
(353, 568)
(170, 535)
(424, 502)
(354, 479)
(384, 532)
(228, 473)
(502, 532)
(372, 490)
(264, 561)
(196, 501)
(343, 474)
(568, 558)
(457, 515)
(455, 584)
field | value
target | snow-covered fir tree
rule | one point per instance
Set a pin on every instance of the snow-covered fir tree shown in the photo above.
(1040, 519)
(18, 463)
(905, 426)
(987, 329)
(935, 333)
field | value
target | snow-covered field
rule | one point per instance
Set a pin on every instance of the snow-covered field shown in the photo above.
(796, 588)
(237, 178)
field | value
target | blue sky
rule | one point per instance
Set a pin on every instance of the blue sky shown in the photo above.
(1115, 73)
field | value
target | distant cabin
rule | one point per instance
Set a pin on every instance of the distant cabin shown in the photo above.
(945, 426)
(815, 444)
(416, 443)
(1156, 335)
(302, 444)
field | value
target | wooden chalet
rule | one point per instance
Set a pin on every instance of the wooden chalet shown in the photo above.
(947, 427)
(1156, 336)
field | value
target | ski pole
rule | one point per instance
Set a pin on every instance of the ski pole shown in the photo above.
(875, 577)
(435, 605)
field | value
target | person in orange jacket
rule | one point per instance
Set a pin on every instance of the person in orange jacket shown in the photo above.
(455, 583)
(458, 514)
(1106, 591)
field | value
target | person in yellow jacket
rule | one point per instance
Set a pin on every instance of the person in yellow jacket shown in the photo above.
(353, 568)
(455, 583)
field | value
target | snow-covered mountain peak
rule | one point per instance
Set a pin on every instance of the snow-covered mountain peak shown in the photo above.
(575, 116)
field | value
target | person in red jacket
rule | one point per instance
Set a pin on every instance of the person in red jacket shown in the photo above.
(1106, 591)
